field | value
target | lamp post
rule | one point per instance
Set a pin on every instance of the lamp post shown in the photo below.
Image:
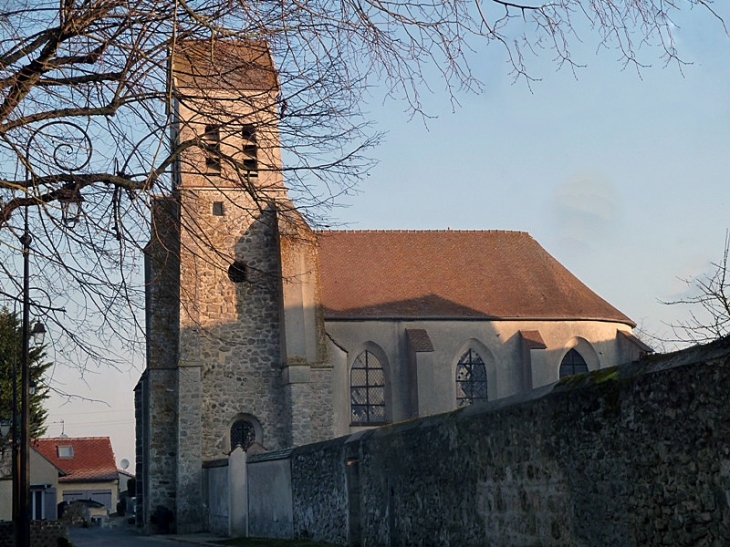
(38, 335)
(22, 505)
(70, 200)
(24, 482)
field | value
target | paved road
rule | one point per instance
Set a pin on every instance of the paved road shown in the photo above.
(116, 537)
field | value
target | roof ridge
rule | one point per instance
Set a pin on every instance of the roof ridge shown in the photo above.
(421, 231)
(69, 438)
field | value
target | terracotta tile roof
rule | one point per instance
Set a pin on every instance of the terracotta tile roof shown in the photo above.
(450, 275)
(92, 460)
(419, 340)
(224, 65)
(533, 339)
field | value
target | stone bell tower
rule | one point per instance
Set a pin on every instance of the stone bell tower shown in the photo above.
(233, 314)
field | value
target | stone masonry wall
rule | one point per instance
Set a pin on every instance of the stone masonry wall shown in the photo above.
(319, 491)
(189, 477)
(162, 285)
(632, 456)
(156, 393)
(161, 454)
(43, 533)
(232, 329)
(141, 441)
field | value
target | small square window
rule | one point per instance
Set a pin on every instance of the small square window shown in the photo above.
(65, 451)
(218, 209)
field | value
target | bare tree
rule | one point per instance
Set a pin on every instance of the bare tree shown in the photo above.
(708, 304)
(85, 109)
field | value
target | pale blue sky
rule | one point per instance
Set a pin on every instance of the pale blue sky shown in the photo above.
(622, 177)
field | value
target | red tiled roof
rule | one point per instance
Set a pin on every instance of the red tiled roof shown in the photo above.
(93, 458)
(450, 275)
(224, 64)
(419, 341)
(533, 339)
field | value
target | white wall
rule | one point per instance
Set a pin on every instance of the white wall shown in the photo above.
(498, 342)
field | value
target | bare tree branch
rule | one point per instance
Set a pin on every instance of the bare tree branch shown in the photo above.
(103, 66)
(709, 306)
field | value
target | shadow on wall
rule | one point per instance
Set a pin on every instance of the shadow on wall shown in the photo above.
(591, 460)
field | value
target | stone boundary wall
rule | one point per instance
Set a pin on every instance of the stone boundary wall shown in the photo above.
(7, 536)
(319, 491)
(43, 533)
(632, 456)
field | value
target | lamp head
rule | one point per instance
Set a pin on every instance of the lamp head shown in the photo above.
(70, 199)
(38, 334)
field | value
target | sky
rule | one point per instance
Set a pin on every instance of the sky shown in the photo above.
(621, 176)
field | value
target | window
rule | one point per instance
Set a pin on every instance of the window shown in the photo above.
(367, 390)
(250, 151)
(573, 363)
(471, 379)
(238, 272)
(36, 504)
(243, 434)
(65, 451)
(218, 209)
(212, 147)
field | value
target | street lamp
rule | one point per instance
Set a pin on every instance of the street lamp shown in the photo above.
(22, 505)
(23, 508)
(70, 199)
(23, 534)
(38, 334)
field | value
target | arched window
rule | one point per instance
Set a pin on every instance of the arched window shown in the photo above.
(243, 433)
(367, 390)
(471, 379)
(573, 363)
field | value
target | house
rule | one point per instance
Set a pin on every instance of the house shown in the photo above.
(88, 468)
(44, 477)
(124, 478)
(264, 332)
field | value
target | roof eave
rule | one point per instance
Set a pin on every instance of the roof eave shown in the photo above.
(404, 317)
(109, 478)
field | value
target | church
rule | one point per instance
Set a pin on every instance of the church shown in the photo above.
(266, 333)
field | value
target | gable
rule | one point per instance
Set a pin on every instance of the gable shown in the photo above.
(495, 275)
